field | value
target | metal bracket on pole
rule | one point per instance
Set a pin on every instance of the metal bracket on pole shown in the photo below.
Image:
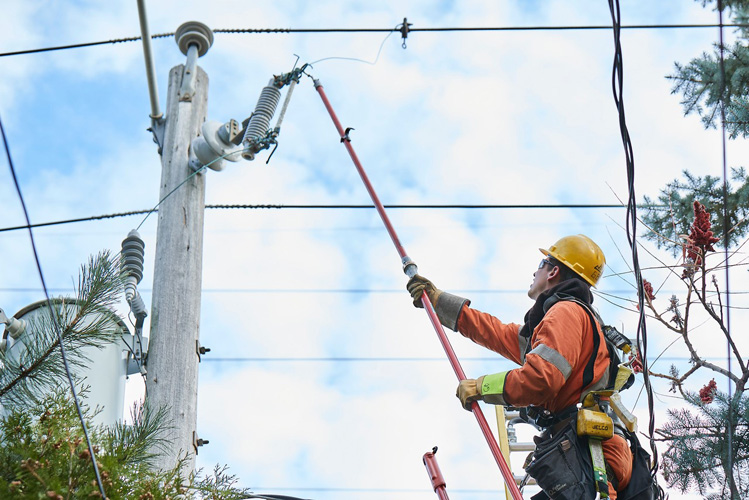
(198, 442)
(158, 129)
(199, 349)
(194, 40)
(188, 77)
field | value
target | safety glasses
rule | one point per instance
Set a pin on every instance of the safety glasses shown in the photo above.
(544, 262)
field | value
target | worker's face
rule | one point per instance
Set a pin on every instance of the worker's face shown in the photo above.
(541, 279)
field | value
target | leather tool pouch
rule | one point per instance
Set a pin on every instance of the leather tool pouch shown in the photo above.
(562, 466)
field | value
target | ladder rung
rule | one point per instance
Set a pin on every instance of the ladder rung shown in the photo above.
(522, 446)
(519, 479)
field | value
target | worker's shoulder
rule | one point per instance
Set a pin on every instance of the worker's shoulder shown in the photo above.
(567, 308)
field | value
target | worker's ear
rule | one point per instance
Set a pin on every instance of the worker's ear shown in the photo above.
(553, 273)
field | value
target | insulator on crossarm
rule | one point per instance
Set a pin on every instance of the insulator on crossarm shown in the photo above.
(133, 255)
(259, 123)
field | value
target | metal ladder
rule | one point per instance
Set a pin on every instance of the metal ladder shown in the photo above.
(508, 443)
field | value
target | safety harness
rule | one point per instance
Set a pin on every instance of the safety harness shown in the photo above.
(593, 422)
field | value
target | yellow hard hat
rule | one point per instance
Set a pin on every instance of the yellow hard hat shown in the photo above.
(581, 255)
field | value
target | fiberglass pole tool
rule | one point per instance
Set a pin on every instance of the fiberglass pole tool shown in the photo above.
(409, 267)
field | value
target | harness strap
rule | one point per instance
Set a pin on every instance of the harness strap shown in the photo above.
(599, 466)
(589, 371)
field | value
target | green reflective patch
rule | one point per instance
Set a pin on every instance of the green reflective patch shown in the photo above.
(493, 384)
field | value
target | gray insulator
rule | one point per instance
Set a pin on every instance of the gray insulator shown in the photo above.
(138, 307)
(133, 255)
(260, 120)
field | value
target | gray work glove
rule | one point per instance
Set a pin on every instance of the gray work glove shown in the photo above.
(418, 285)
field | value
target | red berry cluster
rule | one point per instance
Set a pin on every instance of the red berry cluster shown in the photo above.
(701, 237)
(707, 393)
(648, 289)
(636, 362)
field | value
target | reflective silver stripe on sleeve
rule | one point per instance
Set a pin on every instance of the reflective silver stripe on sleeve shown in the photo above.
(522, 344)
(552, 356)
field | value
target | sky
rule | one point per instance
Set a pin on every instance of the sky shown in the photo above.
(323, 381)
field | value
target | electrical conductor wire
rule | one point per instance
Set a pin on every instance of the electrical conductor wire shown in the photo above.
(314, 207)
(729, 424)
(617, 80)
(371, 30)
(201, 169)
(58, 329)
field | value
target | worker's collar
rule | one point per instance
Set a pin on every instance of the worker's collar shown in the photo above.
(572, 287)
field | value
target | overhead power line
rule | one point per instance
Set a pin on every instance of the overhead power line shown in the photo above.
(317, 207)
(355, 359)
(374, 30)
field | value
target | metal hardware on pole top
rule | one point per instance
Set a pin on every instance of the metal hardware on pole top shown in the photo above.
(194, 39)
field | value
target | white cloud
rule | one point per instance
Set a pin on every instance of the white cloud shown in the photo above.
(491, 117)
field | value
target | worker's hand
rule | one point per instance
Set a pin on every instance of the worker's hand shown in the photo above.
(418, 285)
(468, 391)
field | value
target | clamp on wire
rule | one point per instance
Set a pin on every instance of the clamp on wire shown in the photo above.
(232, 142)
(405, 29)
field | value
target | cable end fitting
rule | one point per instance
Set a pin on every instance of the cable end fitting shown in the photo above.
(409, 267)
(316, 83)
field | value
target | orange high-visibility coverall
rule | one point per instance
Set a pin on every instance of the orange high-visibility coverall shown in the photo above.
(545, 379)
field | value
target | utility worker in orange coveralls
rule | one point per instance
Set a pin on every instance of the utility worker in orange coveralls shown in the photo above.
(554, 345)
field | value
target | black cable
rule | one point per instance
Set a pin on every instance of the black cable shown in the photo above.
(617, 78)
(240, 359)
(52, 313)
(81, 45)
(314, 207)
(729, 424)
(370, 30)
(482, 28)
(70, 221)
(427, 205)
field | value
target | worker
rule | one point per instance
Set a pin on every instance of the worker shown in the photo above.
(560, 347)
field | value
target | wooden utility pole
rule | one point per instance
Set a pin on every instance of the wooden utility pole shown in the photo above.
(172, 364)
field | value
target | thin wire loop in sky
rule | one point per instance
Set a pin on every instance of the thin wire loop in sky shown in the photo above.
(354, 58)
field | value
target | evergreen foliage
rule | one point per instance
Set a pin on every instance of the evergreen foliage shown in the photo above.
(43, 450)
(44, 455)
(701, 82)
(39, 366)
(670, 217)
(697, 457)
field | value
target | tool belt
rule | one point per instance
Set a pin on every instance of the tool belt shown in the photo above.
(561, 464)
(568, 461)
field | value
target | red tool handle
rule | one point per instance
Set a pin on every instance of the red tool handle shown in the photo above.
(435, 474)
(493, 445)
